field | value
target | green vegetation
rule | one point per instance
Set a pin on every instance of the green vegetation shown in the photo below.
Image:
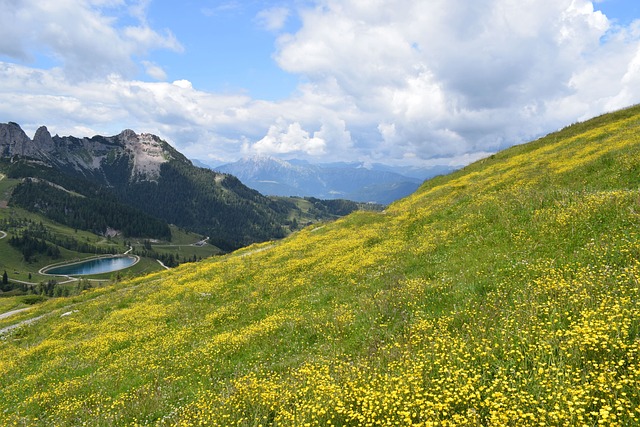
(33, 242)
(95, 214)
(505, 294)
(6, 187)
(207, 203)
(304, 211)
(18, 223)
(194, 199)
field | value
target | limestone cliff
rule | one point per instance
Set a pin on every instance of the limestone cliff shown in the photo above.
(138, 156)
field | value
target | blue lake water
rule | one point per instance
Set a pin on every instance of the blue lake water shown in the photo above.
(94, 266)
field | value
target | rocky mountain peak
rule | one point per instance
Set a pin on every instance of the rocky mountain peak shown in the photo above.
(14, 142)
(128, 135)
(144, 153)
(42, 138)
(148, 154)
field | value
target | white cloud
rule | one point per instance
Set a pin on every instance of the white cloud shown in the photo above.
(396, 81)
(273, 19)
(334, 133)
(445, 77)
(81, 36)
(143, 38)
(221, 8)
(285, 138)
(137, 9)
(174, 111)
(154, 70)
(184, 84)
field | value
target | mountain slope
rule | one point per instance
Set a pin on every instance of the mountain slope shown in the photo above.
(503, 294)
(141, 172)
(347, 181)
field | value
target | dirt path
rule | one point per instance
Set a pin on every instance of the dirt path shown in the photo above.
(12, 312)
(65, 310)
(255, 251)
(17, 325)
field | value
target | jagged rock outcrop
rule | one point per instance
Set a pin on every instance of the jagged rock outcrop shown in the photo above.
(14, 142)
(42, 139)
(128, 154)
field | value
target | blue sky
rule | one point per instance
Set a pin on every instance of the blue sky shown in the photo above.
(227, 46)
(402, 82)
(620, 11)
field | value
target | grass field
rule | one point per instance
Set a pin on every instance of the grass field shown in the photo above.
(505, 294)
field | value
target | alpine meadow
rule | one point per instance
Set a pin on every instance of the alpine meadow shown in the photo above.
(504, 294)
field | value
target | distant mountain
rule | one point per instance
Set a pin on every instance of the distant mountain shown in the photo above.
(350, 181)
(136, 183)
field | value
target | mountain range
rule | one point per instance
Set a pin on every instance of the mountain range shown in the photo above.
(138, 183)
(344, 180)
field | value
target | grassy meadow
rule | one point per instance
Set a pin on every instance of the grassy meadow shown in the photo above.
(504, 294)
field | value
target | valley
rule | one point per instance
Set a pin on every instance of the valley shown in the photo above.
(26, 277)
(65, 200)
(320, 213)
(505, 293)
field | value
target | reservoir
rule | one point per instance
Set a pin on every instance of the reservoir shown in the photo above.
(94, 266)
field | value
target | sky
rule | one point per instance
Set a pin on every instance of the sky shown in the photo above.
(399, 82)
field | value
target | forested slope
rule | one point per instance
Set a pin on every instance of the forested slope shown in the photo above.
(212, 204)
(136, 184)
(95, 214)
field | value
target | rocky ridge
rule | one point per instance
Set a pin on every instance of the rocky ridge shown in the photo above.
(143, 154)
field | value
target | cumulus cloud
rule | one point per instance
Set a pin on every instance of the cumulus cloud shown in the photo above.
(394, 81)
(83, 37)
(175, 111)
(444, 77)
(285, 138)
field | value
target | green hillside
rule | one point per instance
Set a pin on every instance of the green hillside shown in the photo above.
(506, 293)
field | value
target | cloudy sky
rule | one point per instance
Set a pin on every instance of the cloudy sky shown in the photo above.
(403, 82)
